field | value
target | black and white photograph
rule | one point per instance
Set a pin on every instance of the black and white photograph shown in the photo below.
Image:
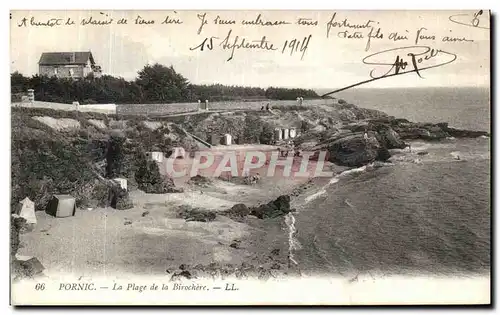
(273, 157)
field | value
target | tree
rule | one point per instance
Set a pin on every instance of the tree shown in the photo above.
(18, 83)
(162, 84)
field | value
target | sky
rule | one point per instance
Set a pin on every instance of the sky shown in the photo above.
(328, 62)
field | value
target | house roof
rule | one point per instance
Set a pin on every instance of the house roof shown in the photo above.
(66, 58)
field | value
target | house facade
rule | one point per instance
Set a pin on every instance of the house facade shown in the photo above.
(68, 64)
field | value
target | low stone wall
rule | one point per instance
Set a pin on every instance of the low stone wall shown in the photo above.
(98, 108)
(155, 109)
(164, 109)
(176, 108)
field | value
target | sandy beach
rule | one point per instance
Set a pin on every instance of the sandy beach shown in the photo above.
(151, 238)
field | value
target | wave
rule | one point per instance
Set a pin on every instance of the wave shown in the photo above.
(344, 174)
(316, 195)
(334, 180)
(348, 203)
(354, 171)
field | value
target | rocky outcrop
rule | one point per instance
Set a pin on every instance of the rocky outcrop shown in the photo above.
(237, 212)
(273, 209)
(195, 214)
(384, 133)
(350, 147)
(355, 149)
(458, 133)
(428, 131)
(200, 181)
(389, 138)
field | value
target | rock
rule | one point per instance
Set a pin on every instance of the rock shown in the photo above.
(127, 222)
(235, 244)
(183, 274)
(384, 133)
(465, 133)
(391, 139)
(355, 150)
(422, 153)
(283, 203)
(199, 180)
(273, 209)
(120, 199)
(420, 132)
(32, 267)
(275, 266)
(145, 213)
(430, 131)
(195, 214)
(237, 212)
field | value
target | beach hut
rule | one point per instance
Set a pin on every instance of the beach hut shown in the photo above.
(62, 206)
(292, 132)
(156, 156)
(285, 133)
(122, 182)
(277, 134)
(27, 210)
(227, 139)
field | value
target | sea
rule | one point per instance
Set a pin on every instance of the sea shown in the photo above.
(428, 211)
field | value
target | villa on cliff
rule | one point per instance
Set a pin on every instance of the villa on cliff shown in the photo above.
(73, 65)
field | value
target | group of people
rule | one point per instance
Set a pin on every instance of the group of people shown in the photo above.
(268, 107)
(253, 179)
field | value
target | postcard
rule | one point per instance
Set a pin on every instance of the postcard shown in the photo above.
(250, 157)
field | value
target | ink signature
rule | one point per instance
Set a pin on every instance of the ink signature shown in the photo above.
(403, 60)
(468, 20)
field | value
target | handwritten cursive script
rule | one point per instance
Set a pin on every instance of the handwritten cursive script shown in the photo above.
(346, 24)
(403, 60)
(475, 20)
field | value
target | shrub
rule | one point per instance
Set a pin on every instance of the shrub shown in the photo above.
(149, 179)
(114, 155)
(120, 199)
(291, 107)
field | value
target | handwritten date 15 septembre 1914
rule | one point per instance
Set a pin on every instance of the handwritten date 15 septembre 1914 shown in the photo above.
(232, 43)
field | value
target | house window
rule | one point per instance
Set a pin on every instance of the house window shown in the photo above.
(71, 72)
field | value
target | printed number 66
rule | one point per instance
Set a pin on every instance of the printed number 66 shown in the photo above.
(40, 286)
